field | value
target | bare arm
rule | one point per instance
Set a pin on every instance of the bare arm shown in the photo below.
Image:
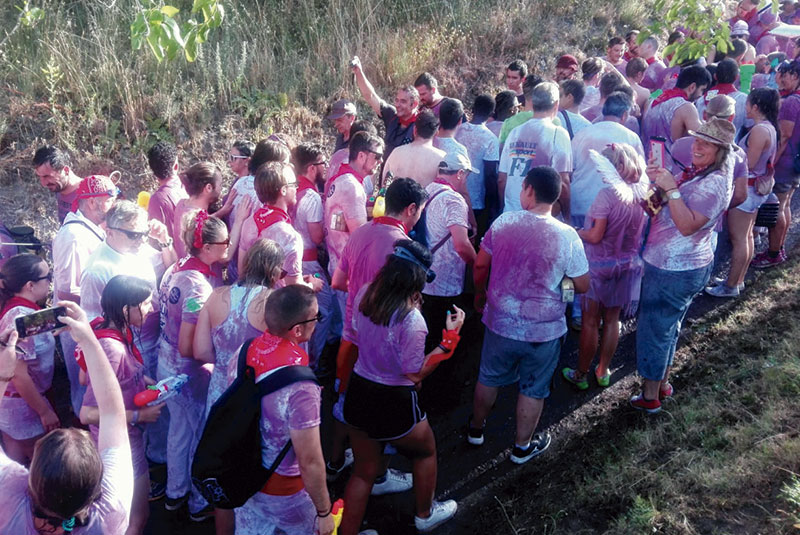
(502, 178)
(787, 127)
(27, 390)
(463, 247)
(595, 234)
(315, 232)
(480, 273)
(563, 200)
(687, 119)
(686, 220)
(354, 223)
(367, 91)
(203, 345)
(186, 339)
(8, 357)
(454, 322)
(581, 283)
(339, 280)
(308, 449)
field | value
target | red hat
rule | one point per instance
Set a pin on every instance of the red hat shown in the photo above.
(95, 186)
(567, 61)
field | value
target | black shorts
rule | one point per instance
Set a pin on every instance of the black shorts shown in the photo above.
(383, 412)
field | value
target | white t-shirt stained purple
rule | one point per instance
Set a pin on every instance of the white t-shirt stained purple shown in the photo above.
(482, 146)
(447, 209)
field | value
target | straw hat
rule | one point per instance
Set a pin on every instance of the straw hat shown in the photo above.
(716, 131)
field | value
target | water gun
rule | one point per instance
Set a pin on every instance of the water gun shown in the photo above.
(161, 391)
(378, 198)
(143, 199)
(337, 511)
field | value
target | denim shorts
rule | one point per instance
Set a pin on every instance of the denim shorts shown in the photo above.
(666, 296)
(784, 185)
(505, 361)
(753, 201)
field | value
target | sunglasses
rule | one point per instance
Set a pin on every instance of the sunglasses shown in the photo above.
(378, 155)
(132, 234)
(226, 243)
(318, 317)
(232, 157)
(323, 162)
(49, 277)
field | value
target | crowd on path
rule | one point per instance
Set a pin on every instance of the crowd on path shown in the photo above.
(579, 197)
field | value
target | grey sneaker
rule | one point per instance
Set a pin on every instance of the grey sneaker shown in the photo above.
(539, 443)
(723, 290)
(441, 512)
(396, 481)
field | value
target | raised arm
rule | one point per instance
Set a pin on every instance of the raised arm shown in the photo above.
(367, 91)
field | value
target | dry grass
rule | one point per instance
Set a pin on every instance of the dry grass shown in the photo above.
(721, 458)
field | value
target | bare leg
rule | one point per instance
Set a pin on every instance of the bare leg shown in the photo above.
(366, 467)
(777, 234)
(609, 340)
(482, 403)
(338, 442)
(224, 521)
(589, 334)
(650, 389)
(140, 508)
(420, 446)
(740, 227)
(529, 410)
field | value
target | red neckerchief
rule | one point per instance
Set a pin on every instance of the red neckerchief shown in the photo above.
(408, 121)
(720, 89)
(268, 352)
(392, 222)
(669, 94)
(627, 56)
(192, 263)
(787, 94)
(650, 61)
(345, 169)
(748, 17)
(304, 183)
(688, 174)
(17, 301)
(114, 334)
(266, 216)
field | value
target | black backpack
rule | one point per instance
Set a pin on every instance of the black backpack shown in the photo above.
(227, 467)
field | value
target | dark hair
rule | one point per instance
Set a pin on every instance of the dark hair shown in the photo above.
(738, 47)
(546, 182)
(212, 231)
(245, 148)
(630, 34)
(199, 175)
(712, 70)
(397, 282)
(402, 193)
(576, 88)
(591, 67)
(790, 67)
(305, 154)
(483, 107)
(693, 75)
(18, 271)
(287, 306)
(120, 292)
(617, 104)
(363, 142)
(635, 66)
(614, 41)
(426, 79)
(768, 102)
(609, 83)
(727, 69)
(268, 151)
(504, 104)
(426, 124)
(262, 264)
(412, 92)
(269, 180)
(161, 158)
(519, 66)
(57, 158)
(66, 473)
(531, 81)
(362, 125)
(450, 113)
(674, 36)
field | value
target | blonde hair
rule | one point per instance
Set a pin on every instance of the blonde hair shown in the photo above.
(628, 163)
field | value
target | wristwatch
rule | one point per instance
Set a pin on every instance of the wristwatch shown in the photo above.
(674, 194)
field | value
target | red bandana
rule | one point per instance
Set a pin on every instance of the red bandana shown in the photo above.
(688, 174)
(192, 263)
(268, 352)
(627, 56)
(405, 123)
(17, 301)
(114, 334)
(304, 183)
(669, 95)
(94, 186)
(266, 216)
(650, 61)
(392, 222)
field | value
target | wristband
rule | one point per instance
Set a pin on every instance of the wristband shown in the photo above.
(135, 418)
(449, 341)
(326, 514)
(168, 243)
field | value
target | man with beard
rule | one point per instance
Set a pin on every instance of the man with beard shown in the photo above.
(53, 168)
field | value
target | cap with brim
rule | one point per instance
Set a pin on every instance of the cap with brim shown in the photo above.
(454, 161)
(721, 106)
(567, 61)
(716, 131)
(740, 27)
(341, 108)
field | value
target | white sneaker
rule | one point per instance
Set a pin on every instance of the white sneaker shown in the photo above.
(723, 290)
(396, 481)
(333, 473)
(441, 512)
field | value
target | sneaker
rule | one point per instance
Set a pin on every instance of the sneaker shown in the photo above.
(158, 489)
(368, 532)
(396, 481)
(650, 406)
(441, 512)
(474, 436)
(782, 254)
(539, 443)
(603, 380)
(664, 393)
(173, 504)
(333, 473)
(203, 514)
(764, 261)
(571, 376)
(723, 290)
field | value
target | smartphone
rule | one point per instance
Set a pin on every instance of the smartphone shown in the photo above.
(39, 322)
(658, 150)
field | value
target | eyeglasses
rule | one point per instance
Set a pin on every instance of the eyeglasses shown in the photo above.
(378, 155)
(291, 184)
(49, 277)
(318, 317)
(132, 234)
(323, 162)
(232, 157)
(226, 243)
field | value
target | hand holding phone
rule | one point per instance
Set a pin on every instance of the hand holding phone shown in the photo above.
(41, 321)
(657, 152)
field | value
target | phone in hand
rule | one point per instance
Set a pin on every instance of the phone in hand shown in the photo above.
(41, 321)
(658, 151)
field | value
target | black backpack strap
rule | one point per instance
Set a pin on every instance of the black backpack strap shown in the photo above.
(83, 224)
(568, 123)
(448, 236)
(242, 362)
(284, 377)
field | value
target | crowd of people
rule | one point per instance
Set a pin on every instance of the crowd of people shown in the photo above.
(581, 196)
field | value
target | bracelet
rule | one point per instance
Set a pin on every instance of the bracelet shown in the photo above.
(326, 514)
(168, 243)
(135, 418)
(671, 189)
(449, 341)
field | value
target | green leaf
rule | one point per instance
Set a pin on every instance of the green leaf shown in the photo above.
(154, 41)
(190, 49)
(173, 32)
(170, 11)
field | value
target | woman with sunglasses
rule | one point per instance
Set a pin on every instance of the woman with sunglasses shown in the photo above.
(381, 403)
(73, 486)
(126, 302)
(25, 412)
(184, 290)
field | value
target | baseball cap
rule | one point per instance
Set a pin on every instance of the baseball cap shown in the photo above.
(567, 61)
(740, 27)
(341, 108)
(454, 161)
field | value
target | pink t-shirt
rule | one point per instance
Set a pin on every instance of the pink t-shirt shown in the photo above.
(362, 258)
(284, 235)
(667, 248)
(346, 200)
(790, 111)
(652, 76)
(387, 353)
(163, 202)
(107, 515)
(297, 407)
(623, 235)
(65, 203)
(445, 210)
(129, 372)
(531, 254)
